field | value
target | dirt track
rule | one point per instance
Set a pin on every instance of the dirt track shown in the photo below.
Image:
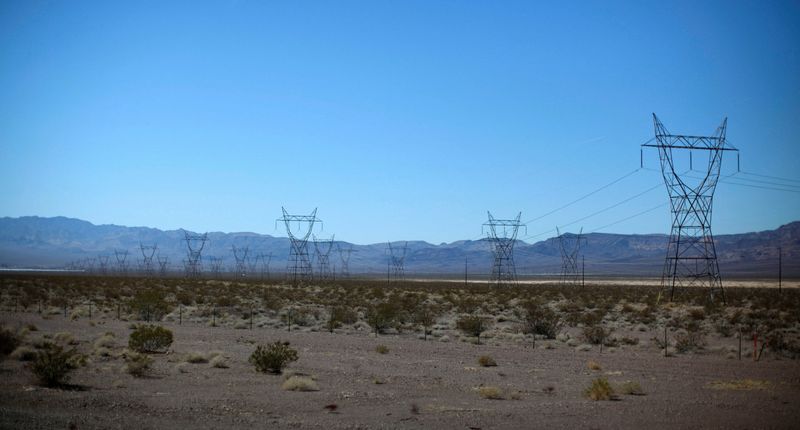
(417, 384)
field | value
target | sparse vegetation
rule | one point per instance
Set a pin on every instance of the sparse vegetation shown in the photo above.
(53, 365)
(630, 388)
(382, 349)
(472, 325)
(272, 358)
(491, 393)
(9, 341)
(299, 383)
(600, 390)
(149, 338)
(486, 361)
(137, 364)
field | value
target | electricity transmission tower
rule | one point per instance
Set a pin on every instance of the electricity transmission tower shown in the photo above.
(503, 235)
(344, 256)
(240, 255)
(147, 258)
(215, 264)
(299, 265)
(397, 258)
(322, 248)
(691, 259)
(122, 265)
(193, 262)
(570, 245)
(265, 260)
(163, 265)
(102, 260)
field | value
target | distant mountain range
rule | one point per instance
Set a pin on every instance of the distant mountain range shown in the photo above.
(36, 242)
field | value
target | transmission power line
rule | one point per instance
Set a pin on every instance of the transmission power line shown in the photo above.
(503, 235)
(322, 250)
(147, 258)
(265, 259)
(120, 256)
(299, 264)
(570, 246)
(396, 269)
(691, 252)
(344, 257)
(163, 265)
(194, 244)
(240, 255)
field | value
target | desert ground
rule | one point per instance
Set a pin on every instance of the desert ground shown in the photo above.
(445, 371)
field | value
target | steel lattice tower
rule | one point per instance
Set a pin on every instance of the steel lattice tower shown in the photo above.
(163, 265)
(503, 235)
(691, 259)
(215, 264)
(570, 245)
(102, 260)
(122, 264)
(322, 250)
(397, 261)
(344, 256)
(240, 255)
(299, 265)
(265, 260)
(194, 244)
(148, 251)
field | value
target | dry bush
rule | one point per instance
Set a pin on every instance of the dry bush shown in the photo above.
(272, 358)
(137, 364)
(150, 304)
(195, 357)
(596, 334)
(299, 383)
(9, 341)
(24, 353)
(381, 316)
(593, 365)
(600, 390)
(486, 361)
(541, 320)
(65, 338)
(219, 362)
(630, 388)
(492, 393)
(382, 349)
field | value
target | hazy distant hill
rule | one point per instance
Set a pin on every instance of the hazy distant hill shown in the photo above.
(54, 242)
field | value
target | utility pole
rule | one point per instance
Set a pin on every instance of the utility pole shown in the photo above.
(780, 268)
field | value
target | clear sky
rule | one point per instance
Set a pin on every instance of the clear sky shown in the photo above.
(398, 120)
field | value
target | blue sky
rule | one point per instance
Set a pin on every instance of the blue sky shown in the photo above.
(398, 120)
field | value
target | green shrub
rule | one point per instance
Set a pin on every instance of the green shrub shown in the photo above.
(381, 316)
(272, 358)
(53, 364)
(541, 320)
(600, 390)
(150, 338)
(472, 325)
(150, 305)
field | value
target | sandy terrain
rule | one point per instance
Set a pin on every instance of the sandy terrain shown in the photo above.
(417, 384)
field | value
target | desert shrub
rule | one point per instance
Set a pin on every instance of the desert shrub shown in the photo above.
(600, 390)
(686, 341)
(425, 316)
(219, 362)
(137, 364)
(299, 383)
(486, 361)
(382, 349)
(541, 320)
(596, 334)
(150, 304)
(380, 316)
(53, 364)
(195, 358)
(593, 365)
(697, 314)
(339, 315)
(272, 358)
(724, 328)
(24, 353)
(472, 325)
(65, 338)
(150, 338)
(630, 388)
(9, 341)
(491, 393)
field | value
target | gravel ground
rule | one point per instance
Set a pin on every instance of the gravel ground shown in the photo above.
(417, 384)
